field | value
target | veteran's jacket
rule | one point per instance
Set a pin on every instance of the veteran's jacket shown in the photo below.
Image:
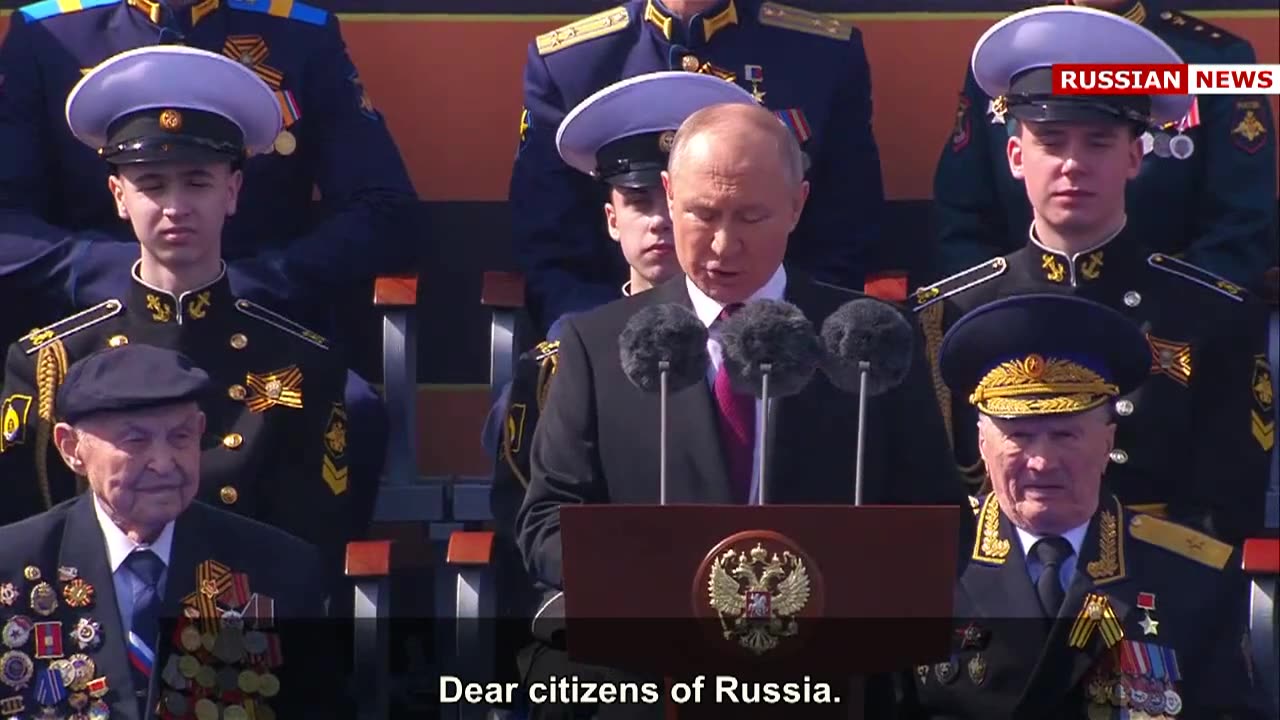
(1198, 433)
(59, 611)
(1209, 194)
(1153, 621)
(275, 438)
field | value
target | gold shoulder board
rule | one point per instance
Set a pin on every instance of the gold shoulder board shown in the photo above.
(40, 337)
(281, 322)
(1197, 275)
(1191, 26)
(963, 280)
(598, 25)
(547, 355)
(546, 349)
(1180, 539)
(785, 16)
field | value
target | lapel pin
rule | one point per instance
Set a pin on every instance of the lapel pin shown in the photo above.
(67, 574)
(946, 671)
(31, 573)
(8, 594)
(977, 666)
(17, 631)
(48, 641)
(44, 600)
(87, 634)
(78, 593)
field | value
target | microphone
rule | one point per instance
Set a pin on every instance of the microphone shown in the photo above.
(664, 350)
(770, 349)
(868, 348)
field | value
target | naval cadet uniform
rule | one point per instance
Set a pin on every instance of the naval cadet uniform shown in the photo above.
(1206, 190)
(275, 444)
(279, 248)
(1197, 435)
(809, 69)
(90, 617)
(1123, 616)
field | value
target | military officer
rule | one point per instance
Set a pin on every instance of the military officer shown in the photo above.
(1072, 605)
(1197, 435)
(810, 69)
(1206, 190)
(275, 441)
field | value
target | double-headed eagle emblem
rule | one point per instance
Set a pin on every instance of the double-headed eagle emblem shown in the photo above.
(757, 596)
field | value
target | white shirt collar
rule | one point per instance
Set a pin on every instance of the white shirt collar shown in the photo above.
(708, 310)
(119, 545)
(1075, 536)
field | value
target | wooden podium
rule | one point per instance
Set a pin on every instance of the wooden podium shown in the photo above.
(765, 594)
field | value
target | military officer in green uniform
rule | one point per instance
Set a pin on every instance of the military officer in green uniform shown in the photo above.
(1197, 434)
(1072, 605)
(275, 440)
(1206, 190)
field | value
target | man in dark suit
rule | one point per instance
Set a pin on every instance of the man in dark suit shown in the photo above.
(103, 573)
(735, 189)
(1073, 605)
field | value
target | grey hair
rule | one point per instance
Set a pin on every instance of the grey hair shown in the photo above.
(717, 118)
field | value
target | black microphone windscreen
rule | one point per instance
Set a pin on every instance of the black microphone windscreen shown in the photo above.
(870, 330)
(670, 333)
(772, 332)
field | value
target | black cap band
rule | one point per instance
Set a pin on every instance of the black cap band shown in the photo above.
(636, 160)
(1031, 97)
(172, 134)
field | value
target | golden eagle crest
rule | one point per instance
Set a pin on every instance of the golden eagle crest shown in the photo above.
(757, 597)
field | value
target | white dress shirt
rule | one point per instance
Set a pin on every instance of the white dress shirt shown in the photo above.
(708, 311)
(119, 546)
(1075, 536)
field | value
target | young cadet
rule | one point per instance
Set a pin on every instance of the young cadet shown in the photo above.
(274, 446)
(1196, 436)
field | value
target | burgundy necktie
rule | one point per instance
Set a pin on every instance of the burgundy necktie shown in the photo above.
(737, 427)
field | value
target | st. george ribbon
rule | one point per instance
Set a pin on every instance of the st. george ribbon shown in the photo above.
(867, 346)
(664, 349)
(770, 350)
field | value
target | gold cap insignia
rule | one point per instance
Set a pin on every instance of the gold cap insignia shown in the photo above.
(666, 140)
(758, 584)
(1034, 385)
(171, 120)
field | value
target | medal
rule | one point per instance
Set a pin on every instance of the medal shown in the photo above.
(1172, 702)
(1147, 142)
(78, 593)
(48, 641)
(78, 701)
(206, 709)
(84, 670)
(44, 601)
(16, 669)
(285, 143)
(17, 631)
(12, 705)
(190, 638)
(228, 679)
(99, 710)
(206, 677)
(87, 634)
(269, 685)
(977, 666)
(234, 712)
(1160, 145)
(67, 672)
(922, 674)
(1181, 147)
(97, 687)
(248, 680)
(944, 671)
(31, 573)
(255, 643)
(188, 666)
(172, 676)
(8, 594)
(175, 703)
(67, 574)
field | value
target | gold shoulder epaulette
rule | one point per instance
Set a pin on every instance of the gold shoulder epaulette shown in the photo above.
(281, 322)
(547, 355)
(1197, 275)
(963, 280)
(1191, 26)
(546, 349)
(598, 25)
(791, 18)
(1180, 539)
(40, 337)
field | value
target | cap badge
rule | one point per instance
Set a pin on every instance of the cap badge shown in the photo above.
(171, 120)
(666, 140)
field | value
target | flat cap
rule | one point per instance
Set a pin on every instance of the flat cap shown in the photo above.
(1044, 354)
(130, 377)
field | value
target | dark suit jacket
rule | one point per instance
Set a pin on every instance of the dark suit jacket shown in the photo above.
(1023, 666)
(278, 566)
(597, 439)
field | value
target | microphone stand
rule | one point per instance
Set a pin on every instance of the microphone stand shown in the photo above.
(864, 368)
(763, 455)
(664, 368)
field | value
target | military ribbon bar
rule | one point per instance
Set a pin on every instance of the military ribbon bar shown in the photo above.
(1156, 655)
(1096, 613)
(260, 612)
(288, 107)
(237, 593)
(795, 120)
(1171, 664)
